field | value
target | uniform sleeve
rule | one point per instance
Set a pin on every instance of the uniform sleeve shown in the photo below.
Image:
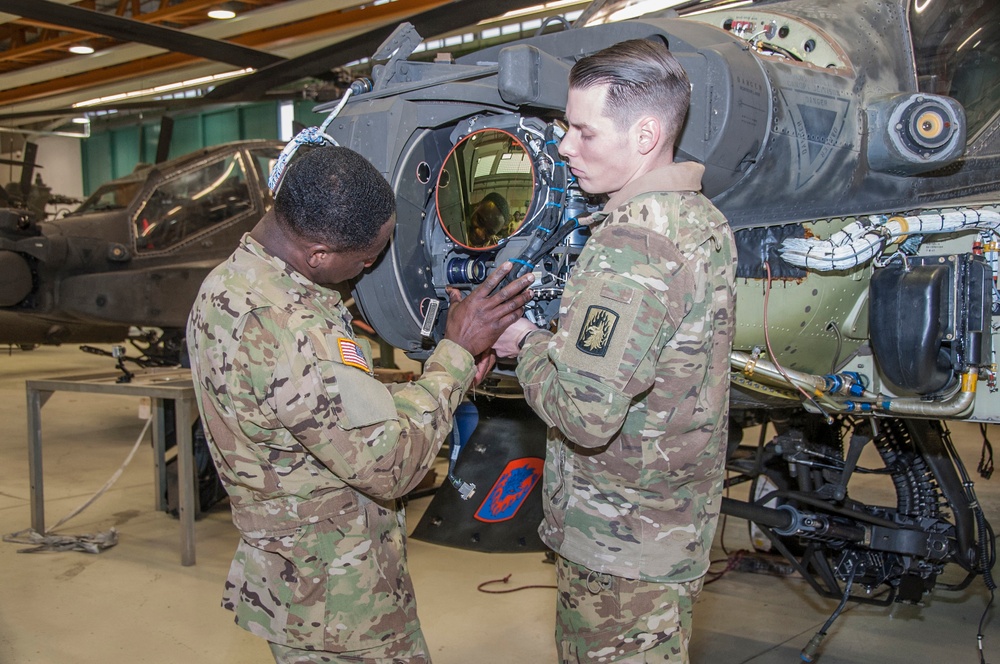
(378, 441)
(624, 301)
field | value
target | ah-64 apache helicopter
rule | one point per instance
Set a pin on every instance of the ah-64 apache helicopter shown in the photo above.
(133, 253)
(854, 147)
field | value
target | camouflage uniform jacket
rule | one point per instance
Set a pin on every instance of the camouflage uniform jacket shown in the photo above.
(313, 452)
(634, 384)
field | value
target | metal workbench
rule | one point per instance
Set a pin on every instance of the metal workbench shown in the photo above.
(160, 386)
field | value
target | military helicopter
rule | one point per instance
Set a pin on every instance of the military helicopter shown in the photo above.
(854, 147)
(134, 253)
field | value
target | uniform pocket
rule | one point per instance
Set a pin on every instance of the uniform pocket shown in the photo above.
(263, 582)
(315, 587)
(369, 596)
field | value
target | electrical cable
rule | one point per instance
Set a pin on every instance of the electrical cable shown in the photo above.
(867, 238)
(985, 467)
(545, 237)
(308, 136)
(482, 586)
(808, 653)
(986, 551)
(774, 358)
(465, 489)
(731, 563)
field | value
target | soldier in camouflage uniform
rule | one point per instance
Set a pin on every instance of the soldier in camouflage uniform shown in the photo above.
(312, 449)
(634, 383)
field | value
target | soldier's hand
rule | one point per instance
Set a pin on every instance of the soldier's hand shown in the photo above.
(484, 365)
(509, 343)
(476, 321)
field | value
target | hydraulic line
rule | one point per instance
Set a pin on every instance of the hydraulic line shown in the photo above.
(956, 404)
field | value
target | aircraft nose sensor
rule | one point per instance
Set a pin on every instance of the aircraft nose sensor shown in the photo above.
(930, 127)
(914, 133)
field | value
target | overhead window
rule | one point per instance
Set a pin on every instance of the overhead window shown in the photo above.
(183, 206)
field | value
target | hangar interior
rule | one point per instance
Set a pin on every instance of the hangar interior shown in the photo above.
(135, 601)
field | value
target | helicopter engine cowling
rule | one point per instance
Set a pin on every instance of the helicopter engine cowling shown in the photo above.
(16, 281)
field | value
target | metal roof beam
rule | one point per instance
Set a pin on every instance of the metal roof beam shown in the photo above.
(130, 30)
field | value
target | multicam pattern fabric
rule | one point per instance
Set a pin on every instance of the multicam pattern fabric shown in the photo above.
(604, 618)
(410, 649)
(314, 455)
(634, 384)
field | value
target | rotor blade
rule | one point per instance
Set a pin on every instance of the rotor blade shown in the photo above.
(439, 20)
(28, 168)
(130, 30)
(163, 141)
(15, 162)
(152, 106)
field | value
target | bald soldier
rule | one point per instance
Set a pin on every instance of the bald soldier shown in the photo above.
(312, 449)
(634, 384)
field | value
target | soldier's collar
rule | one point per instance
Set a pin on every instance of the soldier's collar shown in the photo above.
(304, 286)
(678, 176)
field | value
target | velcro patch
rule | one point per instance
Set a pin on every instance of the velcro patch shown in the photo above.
(351, 355)
(598, 328)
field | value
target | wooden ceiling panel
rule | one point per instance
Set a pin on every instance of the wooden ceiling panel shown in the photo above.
(145, 43)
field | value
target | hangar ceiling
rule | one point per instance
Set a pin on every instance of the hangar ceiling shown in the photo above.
(143, 44)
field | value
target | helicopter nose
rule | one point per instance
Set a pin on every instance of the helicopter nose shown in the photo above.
(15, 278)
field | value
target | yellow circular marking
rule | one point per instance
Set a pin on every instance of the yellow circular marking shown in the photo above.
(930, 124)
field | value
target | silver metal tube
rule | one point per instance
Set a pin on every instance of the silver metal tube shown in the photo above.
(958, 404)
(767, 371)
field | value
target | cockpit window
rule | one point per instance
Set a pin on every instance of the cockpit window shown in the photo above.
(111, 196)
(264, 160)
(956, 47)
(185, 205)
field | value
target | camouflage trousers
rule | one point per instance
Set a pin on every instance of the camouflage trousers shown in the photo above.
(408, 650)
(604, 618)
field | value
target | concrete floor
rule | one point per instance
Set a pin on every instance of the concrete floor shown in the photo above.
(136, 603)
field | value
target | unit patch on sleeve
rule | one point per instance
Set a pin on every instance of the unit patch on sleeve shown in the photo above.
(598, 328)
(351, 355)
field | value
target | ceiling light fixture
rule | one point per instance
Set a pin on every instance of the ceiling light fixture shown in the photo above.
(81, 49)
(222, 14)
(163, 89)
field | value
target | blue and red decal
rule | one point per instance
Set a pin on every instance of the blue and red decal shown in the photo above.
(510, 490)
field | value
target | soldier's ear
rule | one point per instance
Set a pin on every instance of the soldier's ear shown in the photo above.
(648, 134)
(317, 254)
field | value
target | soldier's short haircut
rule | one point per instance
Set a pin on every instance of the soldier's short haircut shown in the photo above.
(642, 76)
(333, 195)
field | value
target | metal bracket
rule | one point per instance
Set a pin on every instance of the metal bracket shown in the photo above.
(397, 46)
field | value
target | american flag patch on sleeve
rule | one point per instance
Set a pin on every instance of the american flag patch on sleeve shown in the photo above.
(351, 355)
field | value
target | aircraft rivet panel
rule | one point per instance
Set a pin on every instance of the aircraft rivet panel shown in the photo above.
(790, 39)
